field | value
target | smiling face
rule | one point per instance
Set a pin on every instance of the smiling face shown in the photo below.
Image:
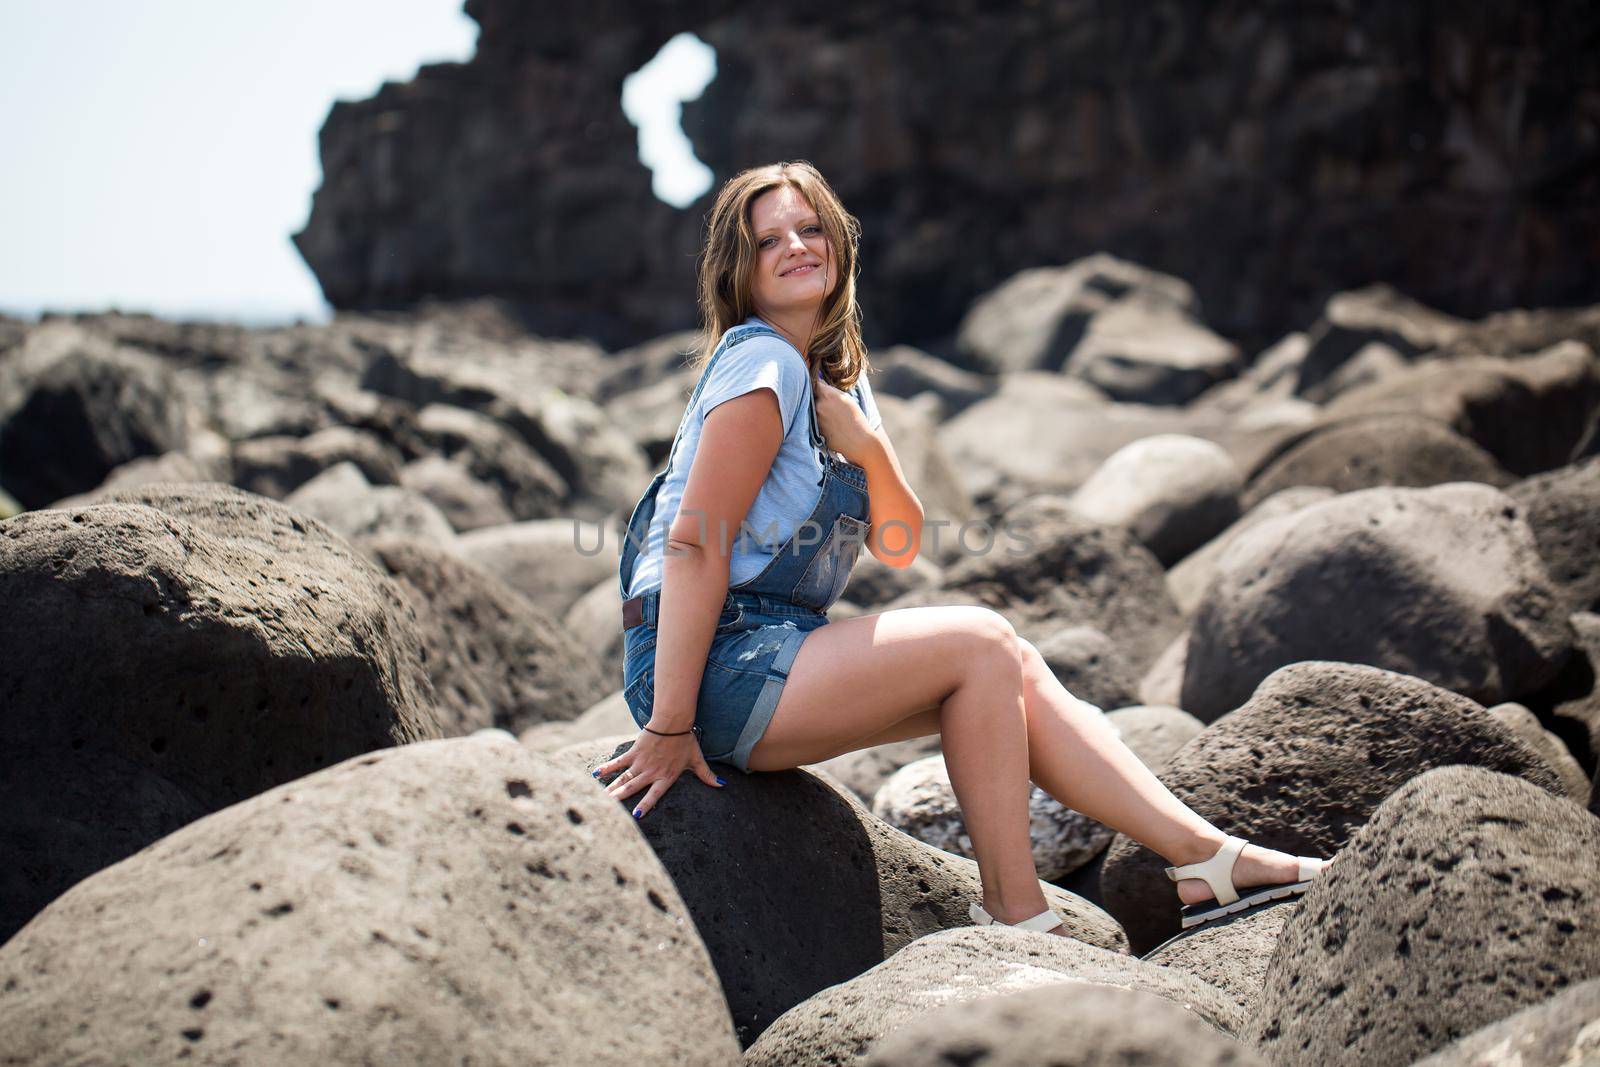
(791, 252)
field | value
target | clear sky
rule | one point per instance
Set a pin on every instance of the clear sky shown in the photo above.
(157, 154)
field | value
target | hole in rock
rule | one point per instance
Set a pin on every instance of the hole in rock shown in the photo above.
(652, 98)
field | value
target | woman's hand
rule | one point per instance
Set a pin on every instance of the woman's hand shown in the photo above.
(656, 762)
(841, 420)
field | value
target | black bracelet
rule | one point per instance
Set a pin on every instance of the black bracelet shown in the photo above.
(695, 729)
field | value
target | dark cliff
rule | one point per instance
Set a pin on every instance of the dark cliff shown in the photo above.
(1271, 154)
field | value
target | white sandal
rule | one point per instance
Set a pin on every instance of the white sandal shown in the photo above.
(1218, 874)
(1043, 922)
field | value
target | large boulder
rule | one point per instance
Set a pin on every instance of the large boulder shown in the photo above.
(1563, 507)
(551, 562)
(495, 658)
(454, 900)
(1090, 666)
(796, 886)
(1172, 491)
(1563, 1031)
(1372, 450)
(1570, 704)
(1187, 580)
(1443, 583)
(1303, 764)
(1468, 895)
(1530, 414)
(919, 800)
(1353, 321)
(1073, 1024)
(73, 408)
(495, 456)
(174, 651)
(277, 466)
(1132, 332)
(342, 497)
(1046, 564)
(1230, 953)
(952, 967)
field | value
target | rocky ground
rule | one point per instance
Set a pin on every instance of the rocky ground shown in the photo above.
(309, 639)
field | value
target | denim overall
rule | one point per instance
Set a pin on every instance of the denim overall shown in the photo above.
(764, 619)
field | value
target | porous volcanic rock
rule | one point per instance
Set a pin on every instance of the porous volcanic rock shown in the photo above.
(495, 658)
(1089, 665)
(458, 899)
(1563, 1031)
(1187, 580)
(1074, 1024)
(1563, 508)
(342, 498)
(1442, 583)
(1468, 895)
(194, 645)
(1230, 953)
(952, 967)
(1372, 450)
(1302, 764)
(1172, 491)
(796, 886)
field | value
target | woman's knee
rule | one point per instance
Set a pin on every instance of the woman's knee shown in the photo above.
(996, 640)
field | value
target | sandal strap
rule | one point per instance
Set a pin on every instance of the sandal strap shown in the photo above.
(1217, 871)
(1043, 922)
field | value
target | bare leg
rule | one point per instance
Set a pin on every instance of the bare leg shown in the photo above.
(1079, 760)
(855, 680)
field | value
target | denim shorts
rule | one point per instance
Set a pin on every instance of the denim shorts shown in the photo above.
(755, 643)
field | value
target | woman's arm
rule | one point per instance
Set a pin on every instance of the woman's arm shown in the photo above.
(896, 535)
(738, 443)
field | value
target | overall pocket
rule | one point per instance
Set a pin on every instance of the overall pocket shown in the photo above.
(640, 696)
(824, 579)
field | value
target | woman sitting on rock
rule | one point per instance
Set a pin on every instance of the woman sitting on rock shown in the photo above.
(780, 470)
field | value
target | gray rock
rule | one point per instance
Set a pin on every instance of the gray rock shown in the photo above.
(1570, 705)
(1522, 722)
(1080, 1025)
(452, 900)
(1048, 565)
(495, 659)
(552, 562)
(595, 619)
(1442, 583)
(874, 582)
(1530, 413)
(1230, 953)
(907, 372)
(1144, 348)
(1374, 450)
(342, 498)
(494, 455)
(1468, 895)
(236, 645)
(1090, 666)
(1558, 1032)
(277, 466)
(466, 503)
(1352, 321)
(1563, 507)
(942, 970)
(73, 408)
(1162, 684)
(1155, 733)
(796, 886)
(1171, 491)
(919, 800)
(1188, 578)
(1302, 765)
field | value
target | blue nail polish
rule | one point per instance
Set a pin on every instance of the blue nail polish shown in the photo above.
(720, 781)
(596, 774)
(635, 813)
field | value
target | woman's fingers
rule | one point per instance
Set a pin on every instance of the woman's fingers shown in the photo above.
(660, 786)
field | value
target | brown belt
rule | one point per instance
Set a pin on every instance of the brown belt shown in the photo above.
(632, 612)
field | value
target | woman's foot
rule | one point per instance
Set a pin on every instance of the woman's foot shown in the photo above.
(1255, 866)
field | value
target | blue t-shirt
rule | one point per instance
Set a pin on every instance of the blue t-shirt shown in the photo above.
(790, 491)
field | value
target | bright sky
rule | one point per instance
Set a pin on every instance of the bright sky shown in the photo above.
(159, 153)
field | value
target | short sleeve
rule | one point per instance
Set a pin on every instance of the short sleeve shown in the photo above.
(762, 362)
(869, 404)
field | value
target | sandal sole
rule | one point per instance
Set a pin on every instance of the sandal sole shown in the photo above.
(1195, 914)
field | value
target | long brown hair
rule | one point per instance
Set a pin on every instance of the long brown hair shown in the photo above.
(729, 256)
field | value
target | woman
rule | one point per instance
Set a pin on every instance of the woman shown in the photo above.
(778, 474)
